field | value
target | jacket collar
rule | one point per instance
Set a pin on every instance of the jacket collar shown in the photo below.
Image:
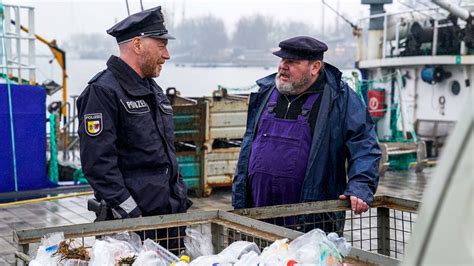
(333, 80)
(130, 81)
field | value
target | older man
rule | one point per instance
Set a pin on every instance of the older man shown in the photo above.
(303, 127)
(126, 126)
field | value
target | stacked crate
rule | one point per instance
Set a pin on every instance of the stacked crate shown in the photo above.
(208, 134)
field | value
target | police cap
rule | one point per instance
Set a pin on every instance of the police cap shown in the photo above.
(147, 23)
(301, 48)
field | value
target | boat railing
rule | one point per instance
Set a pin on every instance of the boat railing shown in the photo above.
(14, 40)
(396, 27)
(69, 130)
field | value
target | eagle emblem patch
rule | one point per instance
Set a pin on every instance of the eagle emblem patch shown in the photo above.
(93, 124)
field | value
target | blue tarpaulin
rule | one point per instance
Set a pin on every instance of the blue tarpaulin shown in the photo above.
(29, 122)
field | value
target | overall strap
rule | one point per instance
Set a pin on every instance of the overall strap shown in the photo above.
(305, 110)
(272, 102)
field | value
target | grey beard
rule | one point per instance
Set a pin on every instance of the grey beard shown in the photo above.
(292, 88)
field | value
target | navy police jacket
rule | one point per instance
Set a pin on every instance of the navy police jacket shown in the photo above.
(127, 143)
(344, 133)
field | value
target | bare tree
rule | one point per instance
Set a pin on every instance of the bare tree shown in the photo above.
(254, 32)
(201, 38)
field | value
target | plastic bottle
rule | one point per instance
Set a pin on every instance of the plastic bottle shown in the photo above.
(183, 261)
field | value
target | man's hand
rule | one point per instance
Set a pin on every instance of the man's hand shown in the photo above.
(358, 206)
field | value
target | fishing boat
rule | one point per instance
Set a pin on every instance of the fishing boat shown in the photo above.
(417, 71)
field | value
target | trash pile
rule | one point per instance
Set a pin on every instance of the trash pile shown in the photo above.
(312, 248)
(119, 249)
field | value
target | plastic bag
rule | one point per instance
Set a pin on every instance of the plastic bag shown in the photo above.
(154, 254)
(109, 250)
(306, 248)
(312, 237)
(198, 242)
(74, 263)
(149, 258)
(239, 248)
(248, 259)
(340, 242)
(49, 245)
(276, 253)
(315, 247)
(212, 260)
(130, 237)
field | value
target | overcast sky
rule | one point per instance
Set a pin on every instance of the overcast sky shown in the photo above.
(59, 18)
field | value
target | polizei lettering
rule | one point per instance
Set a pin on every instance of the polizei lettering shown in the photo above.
(136, 104)
(135, 107)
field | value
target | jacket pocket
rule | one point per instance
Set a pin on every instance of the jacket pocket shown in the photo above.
(274, 155)
(180, 194)
(139, 128)
(150, 189)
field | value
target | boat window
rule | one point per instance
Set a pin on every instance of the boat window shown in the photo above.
(455, 88)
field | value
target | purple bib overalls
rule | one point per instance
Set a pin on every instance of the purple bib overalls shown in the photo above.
(279, 155)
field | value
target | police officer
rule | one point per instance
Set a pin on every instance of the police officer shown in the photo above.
(303, 126)
(126, 126)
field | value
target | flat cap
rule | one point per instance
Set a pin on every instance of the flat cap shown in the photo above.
(301, 48)
(147, 23)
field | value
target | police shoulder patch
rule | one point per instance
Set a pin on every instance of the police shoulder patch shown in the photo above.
(166, 108)
(93, 124)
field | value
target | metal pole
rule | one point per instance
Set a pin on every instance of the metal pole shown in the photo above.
(18, 44)
(322, 20)
(384, 36)
(74, 99)
(31, 46)
(454, 9)
(434, 49)
(400, 103)
(337, 19)
(8, 41)
(397, 39)
(128, 9)
(383, 231)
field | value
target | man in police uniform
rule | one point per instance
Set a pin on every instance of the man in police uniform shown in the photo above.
(126, 126)
(303, 126)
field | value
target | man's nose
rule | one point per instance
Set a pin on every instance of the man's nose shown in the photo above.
(166, 54)
(283, 64)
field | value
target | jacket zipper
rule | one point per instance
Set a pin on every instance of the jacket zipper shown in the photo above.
(290, 102)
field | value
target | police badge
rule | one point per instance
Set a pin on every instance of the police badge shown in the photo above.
(93, 124)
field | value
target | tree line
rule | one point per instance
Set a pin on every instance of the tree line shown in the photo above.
(206, 39)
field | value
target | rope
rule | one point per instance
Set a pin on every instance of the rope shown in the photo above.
(78, 177)
(46, 199)
(53, 162)
(10, 105)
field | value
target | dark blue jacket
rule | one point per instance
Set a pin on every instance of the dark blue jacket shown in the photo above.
(130, 159)
(344, 133)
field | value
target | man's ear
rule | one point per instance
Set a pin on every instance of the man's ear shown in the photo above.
(137, 45)
(316, 67)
